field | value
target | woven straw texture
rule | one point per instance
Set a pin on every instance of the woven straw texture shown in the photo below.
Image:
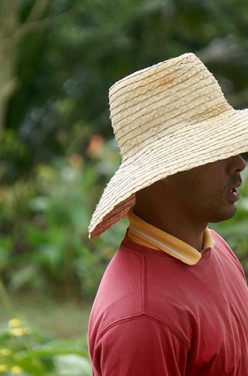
(167, 118)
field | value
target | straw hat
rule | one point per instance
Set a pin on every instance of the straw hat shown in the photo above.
(167, 118)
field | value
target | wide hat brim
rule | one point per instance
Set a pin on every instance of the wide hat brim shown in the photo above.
(189, 146)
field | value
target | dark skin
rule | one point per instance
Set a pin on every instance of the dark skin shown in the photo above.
(183, 204)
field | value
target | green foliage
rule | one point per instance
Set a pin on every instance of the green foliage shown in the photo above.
(54, 162)
(66, 66)
(28, 352)
(45, 241)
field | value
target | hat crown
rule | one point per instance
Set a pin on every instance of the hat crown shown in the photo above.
(156, 101)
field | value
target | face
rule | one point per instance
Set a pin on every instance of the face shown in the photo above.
(207, 193)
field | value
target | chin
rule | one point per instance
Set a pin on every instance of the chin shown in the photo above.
(219, 217)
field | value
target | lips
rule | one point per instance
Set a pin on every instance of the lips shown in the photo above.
(233, 195)
(232, 192)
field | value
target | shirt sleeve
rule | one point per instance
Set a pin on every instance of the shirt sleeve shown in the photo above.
(140, 346)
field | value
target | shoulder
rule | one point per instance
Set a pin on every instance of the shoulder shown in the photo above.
(139, 345)
(133, 290)
(120, 294)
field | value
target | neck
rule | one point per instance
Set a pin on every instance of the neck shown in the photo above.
(178, 225)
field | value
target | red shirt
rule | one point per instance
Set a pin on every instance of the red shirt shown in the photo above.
(154, 315)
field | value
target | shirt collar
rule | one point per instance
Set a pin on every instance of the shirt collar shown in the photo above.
(150, 236)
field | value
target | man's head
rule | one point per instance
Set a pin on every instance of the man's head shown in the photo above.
(169, 118)
(203, 194)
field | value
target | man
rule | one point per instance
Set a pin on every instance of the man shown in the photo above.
(174, 299)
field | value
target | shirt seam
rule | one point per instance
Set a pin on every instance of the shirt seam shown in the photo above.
(150, 317)
(144, 304)
(142, 277)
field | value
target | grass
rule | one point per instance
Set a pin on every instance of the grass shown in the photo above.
(41, 335)
(61, 318)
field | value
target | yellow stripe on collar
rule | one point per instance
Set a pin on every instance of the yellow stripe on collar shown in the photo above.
(145, 234)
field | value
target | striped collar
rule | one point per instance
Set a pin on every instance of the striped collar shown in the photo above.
(145, 234)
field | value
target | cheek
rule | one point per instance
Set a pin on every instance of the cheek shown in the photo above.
(204, 194)
(212, 184)
(214, 192)
(198, 187)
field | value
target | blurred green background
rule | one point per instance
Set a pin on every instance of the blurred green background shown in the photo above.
(57, 60)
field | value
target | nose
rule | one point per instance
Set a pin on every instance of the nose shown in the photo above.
(237, 163)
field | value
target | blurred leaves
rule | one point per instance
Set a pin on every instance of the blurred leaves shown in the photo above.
(45, 220)
(64, 69)
(58, 59)
(28, 352)
(57, 150)
(71, 365)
